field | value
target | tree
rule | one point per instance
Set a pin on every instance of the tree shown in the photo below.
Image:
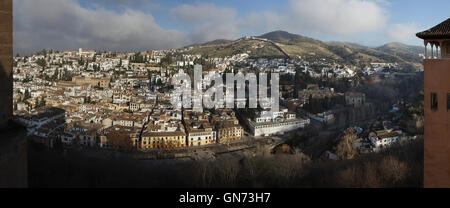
(345, 148)
(167, 60)
(86, 65)
(149, 74)
(41, 62)
(36, 103)
(138, 58)
(42, 52)
(159, 82)
(88, 99)
(127, 111)
(55, 75)
(81, 61)
(96, 67)
(67, 76)
(42, 103)
(26, 95)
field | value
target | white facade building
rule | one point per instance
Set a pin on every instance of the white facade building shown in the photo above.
(385, 138)
(280, 122)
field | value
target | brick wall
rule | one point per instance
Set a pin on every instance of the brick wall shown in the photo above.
(6, 53)
(437, 123)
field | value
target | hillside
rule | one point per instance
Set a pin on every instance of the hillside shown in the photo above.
(346, 44)
(286, 38)
(214, 42)
(406, 52)
(297, 45)
(255, 48)
(280, 42)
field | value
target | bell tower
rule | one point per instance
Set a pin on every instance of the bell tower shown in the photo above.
(437, 105)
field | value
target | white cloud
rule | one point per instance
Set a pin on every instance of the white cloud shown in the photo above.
(323, 18)
(403, 32)
(263, 22)
(339, 17)
(309, 17)
(208, 22)
(64, 24)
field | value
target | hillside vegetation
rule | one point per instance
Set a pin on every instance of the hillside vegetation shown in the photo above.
(311, 49)
(397, 167)
(255, 48)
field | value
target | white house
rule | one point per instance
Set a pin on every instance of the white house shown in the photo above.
(276, 123)
(384, 138)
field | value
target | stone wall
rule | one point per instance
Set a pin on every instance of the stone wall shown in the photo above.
(6, 53)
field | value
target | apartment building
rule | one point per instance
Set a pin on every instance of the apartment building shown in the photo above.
(227, 126)
(267, 123)
(199, 130)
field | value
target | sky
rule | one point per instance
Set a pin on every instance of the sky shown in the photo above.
(139, 25)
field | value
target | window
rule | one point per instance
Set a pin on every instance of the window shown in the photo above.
(434, 101)
(448, 101)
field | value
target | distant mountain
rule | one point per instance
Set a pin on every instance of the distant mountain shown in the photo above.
(400, 46)
(346, 44)
(218, 41)
(255, 48)
(406, 52)
(214, 42)
(281, 43)
(297, 45)
(284, 37)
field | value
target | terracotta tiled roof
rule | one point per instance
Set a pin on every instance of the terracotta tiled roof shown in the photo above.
(439, 31)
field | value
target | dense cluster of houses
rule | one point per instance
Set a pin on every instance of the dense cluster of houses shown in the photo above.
(91, 98)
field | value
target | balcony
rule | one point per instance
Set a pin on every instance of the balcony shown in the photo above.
(439, 50)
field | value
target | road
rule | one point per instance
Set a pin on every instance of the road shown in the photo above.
(148, 119)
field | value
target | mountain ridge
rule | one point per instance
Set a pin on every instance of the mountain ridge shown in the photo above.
(297, 45)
